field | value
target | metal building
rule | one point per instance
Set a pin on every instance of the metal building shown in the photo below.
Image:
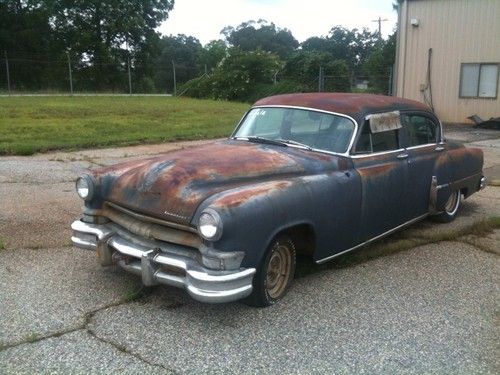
(448, 55)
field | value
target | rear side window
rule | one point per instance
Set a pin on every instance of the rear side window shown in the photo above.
(421, 130)
(369, 142)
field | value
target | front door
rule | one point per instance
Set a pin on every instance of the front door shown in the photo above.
(382, 165)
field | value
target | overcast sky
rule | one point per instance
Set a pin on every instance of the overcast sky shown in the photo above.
(204, 19)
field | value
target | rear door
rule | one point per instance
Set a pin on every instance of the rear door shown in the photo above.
(427, 158)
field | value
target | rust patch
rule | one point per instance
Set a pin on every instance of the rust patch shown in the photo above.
(354, 105)
(172, 186)
(375, 170)
(243, 195)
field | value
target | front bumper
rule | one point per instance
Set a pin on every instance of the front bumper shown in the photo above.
(157, 265)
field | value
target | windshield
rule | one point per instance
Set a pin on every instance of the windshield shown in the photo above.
(300, 127)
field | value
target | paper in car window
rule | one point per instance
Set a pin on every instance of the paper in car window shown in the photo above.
(382, 122)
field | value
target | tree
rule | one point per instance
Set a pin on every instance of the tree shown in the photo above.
(26, 37)
(101, 34)
(352, 46)
(266, 37)
(241, 71)
(379, 64)
(212, 54)
(184, 51)
(304, 66)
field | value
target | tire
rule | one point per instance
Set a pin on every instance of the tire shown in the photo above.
(275, 273)
(450, 209)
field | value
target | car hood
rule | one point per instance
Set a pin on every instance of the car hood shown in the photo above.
(172, 186)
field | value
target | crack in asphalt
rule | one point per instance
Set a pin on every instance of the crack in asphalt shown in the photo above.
(87, 320)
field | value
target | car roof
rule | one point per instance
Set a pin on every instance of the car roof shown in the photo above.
(355, 105)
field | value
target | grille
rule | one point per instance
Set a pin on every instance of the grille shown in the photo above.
(151, 228)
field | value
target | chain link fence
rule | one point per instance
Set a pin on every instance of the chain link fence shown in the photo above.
(21, 74)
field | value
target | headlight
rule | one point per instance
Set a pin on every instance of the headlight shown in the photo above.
(85, 187)
(210, 225)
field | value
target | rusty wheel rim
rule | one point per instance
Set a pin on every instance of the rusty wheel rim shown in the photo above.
(278, 271)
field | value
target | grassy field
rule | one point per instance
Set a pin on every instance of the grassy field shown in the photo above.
(37, 124)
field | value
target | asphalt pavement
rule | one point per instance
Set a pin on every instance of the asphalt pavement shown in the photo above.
(432, 308)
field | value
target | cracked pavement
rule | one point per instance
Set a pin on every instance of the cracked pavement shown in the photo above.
(426, 309)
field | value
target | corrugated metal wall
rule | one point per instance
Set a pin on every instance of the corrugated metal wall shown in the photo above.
(458, 31)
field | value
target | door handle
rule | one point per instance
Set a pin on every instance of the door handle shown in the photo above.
(404, 155)
(439, 148)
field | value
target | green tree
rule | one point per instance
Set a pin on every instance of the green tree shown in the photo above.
(26, 37)
(184, 51)
(303, 68)
(101, 34)
(212, 54)
(379, 64)
(261, 35)
(352, 46)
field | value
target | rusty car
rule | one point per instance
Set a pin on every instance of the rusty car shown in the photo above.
(319, 174)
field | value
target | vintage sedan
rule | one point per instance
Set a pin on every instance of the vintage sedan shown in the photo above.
(316, 174)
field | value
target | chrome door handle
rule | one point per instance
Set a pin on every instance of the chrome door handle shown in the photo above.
(402, 156)
(439, 148)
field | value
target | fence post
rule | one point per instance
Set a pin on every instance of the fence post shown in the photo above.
(129, 77)
(320, 78)
(390, 79)
(175, 81)
(70, 75)
(7, 70)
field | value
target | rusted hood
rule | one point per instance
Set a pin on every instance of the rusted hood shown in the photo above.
(171, 186)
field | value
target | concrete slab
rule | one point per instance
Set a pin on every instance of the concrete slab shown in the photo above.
(74, 353)
(427, 310)
(45, 291)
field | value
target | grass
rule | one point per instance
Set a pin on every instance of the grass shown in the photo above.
(38, 124)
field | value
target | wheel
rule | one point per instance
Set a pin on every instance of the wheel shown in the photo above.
(450, 208)
(275, 274)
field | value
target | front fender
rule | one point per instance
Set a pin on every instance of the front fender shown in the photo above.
(254, 214)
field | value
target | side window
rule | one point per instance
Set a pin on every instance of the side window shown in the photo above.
(421, 130)
(385, 141)
(369, 142)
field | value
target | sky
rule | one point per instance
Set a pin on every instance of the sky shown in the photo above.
(204, 19)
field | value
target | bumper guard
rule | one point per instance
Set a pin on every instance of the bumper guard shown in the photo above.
(157, 266)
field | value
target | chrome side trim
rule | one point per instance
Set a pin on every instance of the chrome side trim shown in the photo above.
(373, 239)
(423, 146)
(360, 156)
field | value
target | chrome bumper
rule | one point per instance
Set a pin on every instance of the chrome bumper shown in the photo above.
(157, 266)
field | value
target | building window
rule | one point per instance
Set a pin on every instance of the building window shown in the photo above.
(478, 80)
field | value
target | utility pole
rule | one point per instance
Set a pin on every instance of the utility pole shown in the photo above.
(70, 75)
(379, 20)
(7, 70)
(129, 77)
(175, 82)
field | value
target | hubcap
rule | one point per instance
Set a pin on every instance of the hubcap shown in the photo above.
(278, 271)
(452, 203)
